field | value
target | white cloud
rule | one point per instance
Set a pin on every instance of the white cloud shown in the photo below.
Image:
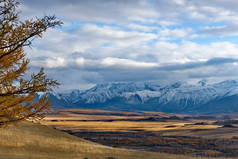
(102, 39)
(109, 61)
(113, 11)
(80, 61)
(179, 2)
(160, 53)
(168, 34)
(114, 36)
(141, 27)
(192, 52)
(55, 62)
(56, 43)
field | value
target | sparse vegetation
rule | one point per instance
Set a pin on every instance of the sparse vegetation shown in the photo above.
(194, 137)
(33, 141)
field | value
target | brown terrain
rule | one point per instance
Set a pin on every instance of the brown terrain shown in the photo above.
(206, 135)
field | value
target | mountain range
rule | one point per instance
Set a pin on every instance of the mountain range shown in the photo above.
(178, 97)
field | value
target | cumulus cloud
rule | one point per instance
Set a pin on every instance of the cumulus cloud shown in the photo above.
(110, 62)
(128, 40)
(168, 34)
(55, 62)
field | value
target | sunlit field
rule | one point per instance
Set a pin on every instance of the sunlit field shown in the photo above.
(150, 131)
(33, 141)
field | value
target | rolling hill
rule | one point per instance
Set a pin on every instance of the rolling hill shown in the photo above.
(33, 141)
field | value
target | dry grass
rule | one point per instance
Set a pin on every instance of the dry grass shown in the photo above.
(74, 120)
(226, 133)
(73, 117)
(33, 141)
(125, 125)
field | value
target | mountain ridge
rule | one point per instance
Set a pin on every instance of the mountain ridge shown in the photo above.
(177, 97)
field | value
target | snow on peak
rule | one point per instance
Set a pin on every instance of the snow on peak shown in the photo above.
(182, 94)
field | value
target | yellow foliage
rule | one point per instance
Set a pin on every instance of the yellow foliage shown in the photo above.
(17, 95)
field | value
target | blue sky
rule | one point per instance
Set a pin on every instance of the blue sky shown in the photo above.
(136, 40)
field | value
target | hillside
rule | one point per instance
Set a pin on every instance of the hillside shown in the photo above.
(34, 141)
(213, 136)
(178, 97)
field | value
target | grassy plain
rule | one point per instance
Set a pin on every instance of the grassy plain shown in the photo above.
(151, 131)
(26, 140)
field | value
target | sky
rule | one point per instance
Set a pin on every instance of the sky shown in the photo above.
(135, 40)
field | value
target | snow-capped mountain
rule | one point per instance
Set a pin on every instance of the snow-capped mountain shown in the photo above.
(179, 97)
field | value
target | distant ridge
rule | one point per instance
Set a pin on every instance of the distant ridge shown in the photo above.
(178, 97)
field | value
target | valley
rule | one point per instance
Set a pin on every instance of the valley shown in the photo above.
(204, 135)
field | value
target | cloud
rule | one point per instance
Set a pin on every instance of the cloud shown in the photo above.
(125, 11)
(202, 64)
(83, 77)
(129, 40)
(55, 62)
(82, 73)
(114, 10)
(142, 27)
(168, 34)
(114, 36)
(110, 62)
(221, 31)
(165, 61)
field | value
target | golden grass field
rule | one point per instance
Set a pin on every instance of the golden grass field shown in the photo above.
(125, 126)
(135, 131)
(26, 140)
(86, 120)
